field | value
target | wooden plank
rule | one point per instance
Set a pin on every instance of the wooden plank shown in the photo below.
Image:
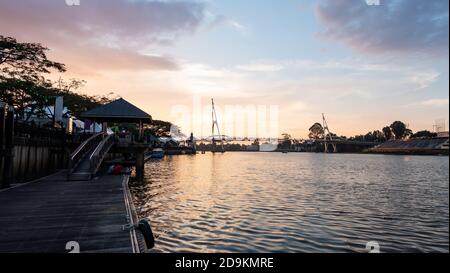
(43, 216)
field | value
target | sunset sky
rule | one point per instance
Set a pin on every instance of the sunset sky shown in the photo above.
(363, 66)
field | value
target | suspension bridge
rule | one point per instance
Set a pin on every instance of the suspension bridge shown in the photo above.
(330, 142)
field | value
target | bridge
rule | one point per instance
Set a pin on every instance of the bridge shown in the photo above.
(334, 144)
(330, 142)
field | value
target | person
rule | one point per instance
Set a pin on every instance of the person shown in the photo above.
(118, 169)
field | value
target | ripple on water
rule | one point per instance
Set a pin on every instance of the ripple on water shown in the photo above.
(268, 202)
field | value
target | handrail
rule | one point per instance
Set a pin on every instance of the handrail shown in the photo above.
(83, 145)
(98, 154)
(80, 152)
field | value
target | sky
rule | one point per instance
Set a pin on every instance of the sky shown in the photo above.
(362, 65)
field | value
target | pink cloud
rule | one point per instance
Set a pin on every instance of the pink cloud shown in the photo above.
(103, 34)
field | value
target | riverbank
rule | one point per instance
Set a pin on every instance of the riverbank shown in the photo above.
(436, 152)
(427, 146)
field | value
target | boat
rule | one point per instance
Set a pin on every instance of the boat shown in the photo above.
(157, 153)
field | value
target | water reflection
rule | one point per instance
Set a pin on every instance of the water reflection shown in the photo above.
(270, 202)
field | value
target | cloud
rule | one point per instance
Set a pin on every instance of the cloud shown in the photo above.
(118, 31)
(441, 102)
(435, 102)
(420, 77)
(394, 26)
(214, 20)
(108, 59)
(261, 67)
(424, 79)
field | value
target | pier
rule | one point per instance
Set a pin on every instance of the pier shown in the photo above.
(80, 208)
(45, 216)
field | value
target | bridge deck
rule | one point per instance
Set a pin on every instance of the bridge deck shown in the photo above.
(43, 216)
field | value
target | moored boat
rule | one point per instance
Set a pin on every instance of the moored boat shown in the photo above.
(157, 153)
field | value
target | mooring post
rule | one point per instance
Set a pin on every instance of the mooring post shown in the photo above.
(140, 165)
(9, 149)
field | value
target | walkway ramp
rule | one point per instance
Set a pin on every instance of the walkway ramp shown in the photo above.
(87, 158)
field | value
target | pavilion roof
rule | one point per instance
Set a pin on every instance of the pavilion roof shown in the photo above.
(117, 111)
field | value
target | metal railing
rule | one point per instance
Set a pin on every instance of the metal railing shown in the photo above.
(99, 153)
(82, 150)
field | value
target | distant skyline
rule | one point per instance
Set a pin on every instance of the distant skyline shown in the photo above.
(363, 66)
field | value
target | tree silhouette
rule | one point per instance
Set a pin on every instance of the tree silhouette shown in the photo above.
(387, 131)
(316, 131)
(25, 61)
(424, 134)
(400, 130)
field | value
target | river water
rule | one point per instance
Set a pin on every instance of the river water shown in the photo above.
(297, 202)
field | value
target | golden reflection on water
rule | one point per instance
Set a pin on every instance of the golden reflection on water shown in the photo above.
(272, 202)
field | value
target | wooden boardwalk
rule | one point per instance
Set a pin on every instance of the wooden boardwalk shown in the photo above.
(43, 216)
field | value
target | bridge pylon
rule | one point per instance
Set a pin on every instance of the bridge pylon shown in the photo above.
(215, 124)
(326, 132)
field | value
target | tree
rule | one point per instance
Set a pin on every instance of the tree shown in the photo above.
(26, 61)
(286, 142)
(21, 82)
(369, 137)
(24, 95)
(424, 134)
(32, 97)
(159, 128)
(387, 131)
(77, 103)
(23, 86)
(400, 130)
(316, 131)
(378, 136)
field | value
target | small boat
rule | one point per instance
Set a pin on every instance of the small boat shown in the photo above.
(157, 153)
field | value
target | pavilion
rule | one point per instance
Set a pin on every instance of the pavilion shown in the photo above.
(119, 111)
(122, 111)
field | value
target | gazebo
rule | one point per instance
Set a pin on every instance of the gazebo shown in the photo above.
(119, 111)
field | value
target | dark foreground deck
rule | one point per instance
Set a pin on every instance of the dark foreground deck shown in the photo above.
(42, 217)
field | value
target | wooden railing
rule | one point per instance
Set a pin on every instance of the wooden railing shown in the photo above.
(82, 150)
(99, 153)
